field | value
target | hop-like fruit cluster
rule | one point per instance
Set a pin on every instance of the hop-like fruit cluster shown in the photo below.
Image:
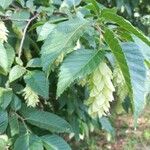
(3, 32)
(119, 83)
(30, 96)
(121, 88)
(101, 91)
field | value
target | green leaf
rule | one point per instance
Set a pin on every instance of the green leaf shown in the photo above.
(28, 142)
(137, 72)
(78, 64)
(54, 142)
(5, 3)
(7, 57)
(116, 49)
(131, 62)
(106, 13)
(45, 120)
(5, 97)
(34, 63)
(14, 125)
(62, 39)
(10, 55)
(106, 125)
(16, 72)
(3, 121)
(95, 5)
(71, 3)
(145, 49)
(44, 30)
(20, 14)
(19, 61)
(16, 103)
(38, 82)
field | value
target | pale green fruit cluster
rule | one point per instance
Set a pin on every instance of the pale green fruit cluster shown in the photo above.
(119, 83)
(101, 91)
(121, 89)
(3, 32)
(30, 96)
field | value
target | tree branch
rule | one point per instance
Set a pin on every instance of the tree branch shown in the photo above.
(24, 34)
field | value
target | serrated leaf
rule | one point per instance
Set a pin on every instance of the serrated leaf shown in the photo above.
(16, 72)
(137, 70)
(116, 49)
(78, 64)
(44, 30)
(45, 120)
(38, 82)
(28, 142)
(7, 57)
(62, 39)
(54, 142)
(6, 96)
(3, 121)
(131, 63)
(107, 14)
(145, 49)
(5, 3)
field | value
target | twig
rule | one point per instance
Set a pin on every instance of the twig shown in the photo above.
(23, 121)
(24, 34)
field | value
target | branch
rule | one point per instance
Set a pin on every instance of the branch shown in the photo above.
(24, 34)
(23, 121)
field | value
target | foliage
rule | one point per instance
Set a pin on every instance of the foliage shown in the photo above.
(57, 60)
